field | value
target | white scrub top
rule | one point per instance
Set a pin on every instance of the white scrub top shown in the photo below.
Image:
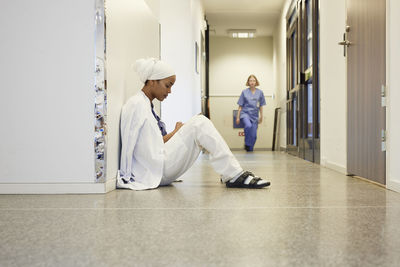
(142, 153)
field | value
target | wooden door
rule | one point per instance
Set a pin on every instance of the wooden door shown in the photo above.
(366, 73)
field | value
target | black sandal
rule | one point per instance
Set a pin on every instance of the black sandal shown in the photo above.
(239, 182)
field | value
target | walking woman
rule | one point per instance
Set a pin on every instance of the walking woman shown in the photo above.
(250, 103)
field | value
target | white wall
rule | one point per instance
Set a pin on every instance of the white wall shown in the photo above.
(231, 62)
(198, 27)
(132, 33)
(393, 82)
(333, 93)
(154, 6)
(47, 103)
(181, 22)
(47, 94)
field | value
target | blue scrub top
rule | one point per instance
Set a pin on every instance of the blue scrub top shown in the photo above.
(250, 103)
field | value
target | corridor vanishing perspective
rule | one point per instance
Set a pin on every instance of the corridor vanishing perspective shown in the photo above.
(310, 216)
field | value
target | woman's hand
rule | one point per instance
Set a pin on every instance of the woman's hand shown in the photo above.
(260, 120)
(178, 125)
(238, 115)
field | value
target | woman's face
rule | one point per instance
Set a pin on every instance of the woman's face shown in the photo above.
(162, 88)
(252, 82)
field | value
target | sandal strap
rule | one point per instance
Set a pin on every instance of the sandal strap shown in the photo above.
(241, 178)
(254, 181)
(248, 173)
(255, 178)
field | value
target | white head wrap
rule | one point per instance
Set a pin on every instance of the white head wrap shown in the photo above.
(152, 69)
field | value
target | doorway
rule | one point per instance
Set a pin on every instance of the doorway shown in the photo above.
(303, 119)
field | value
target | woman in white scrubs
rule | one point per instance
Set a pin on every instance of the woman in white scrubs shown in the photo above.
(151, 157)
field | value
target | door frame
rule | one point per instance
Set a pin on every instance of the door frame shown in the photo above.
(296, 20)
(292, 81)
(207, 74)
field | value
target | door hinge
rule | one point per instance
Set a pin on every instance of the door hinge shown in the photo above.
(383, 95)
(383, 139)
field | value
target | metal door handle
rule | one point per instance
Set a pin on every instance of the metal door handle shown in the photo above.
(346, 43)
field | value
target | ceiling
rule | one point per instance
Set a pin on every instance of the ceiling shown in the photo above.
(261, 15)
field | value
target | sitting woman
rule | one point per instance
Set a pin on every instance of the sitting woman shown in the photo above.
(151, 157)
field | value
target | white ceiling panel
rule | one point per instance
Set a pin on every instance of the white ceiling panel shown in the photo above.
(261, 15)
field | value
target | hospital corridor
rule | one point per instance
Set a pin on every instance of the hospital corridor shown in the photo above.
(199, 133)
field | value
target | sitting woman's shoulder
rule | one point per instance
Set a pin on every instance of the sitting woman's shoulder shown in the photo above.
(134, 106)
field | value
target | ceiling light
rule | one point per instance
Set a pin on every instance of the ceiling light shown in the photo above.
(241, 33)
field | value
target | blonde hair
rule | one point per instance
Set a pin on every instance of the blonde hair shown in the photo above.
(252, 76)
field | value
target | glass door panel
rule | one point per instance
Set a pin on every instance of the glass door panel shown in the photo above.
(302, 78)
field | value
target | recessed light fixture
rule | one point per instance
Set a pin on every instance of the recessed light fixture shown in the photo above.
(242, 33)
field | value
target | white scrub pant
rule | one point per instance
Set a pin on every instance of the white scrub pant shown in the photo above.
(184, 147)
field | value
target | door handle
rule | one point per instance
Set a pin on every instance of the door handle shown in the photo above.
(346, 43)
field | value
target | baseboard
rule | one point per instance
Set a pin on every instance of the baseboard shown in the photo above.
(64, 188)
(334, 166)
(369, 181)
(111, 185)
(393, 185)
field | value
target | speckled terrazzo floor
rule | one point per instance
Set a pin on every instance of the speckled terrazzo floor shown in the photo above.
(310, 216)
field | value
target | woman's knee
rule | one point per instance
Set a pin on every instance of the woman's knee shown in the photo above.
(247, 125)
(199, 123)
(202, 120)
(201, 117)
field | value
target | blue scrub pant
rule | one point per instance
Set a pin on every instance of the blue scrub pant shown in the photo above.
(250, 132)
